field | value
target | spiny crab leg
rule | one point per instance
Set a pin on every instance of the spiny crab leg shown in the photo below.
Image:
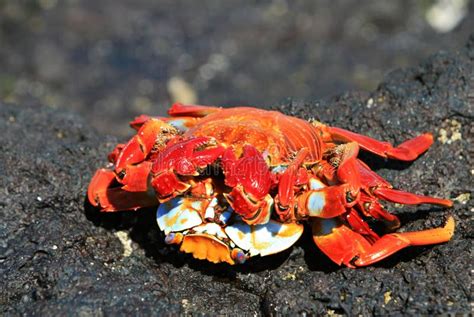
(407, 151)
(344, 246)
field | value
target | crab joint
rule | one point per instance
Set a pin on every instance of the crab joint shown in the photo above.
(174, 238)
(327, 202)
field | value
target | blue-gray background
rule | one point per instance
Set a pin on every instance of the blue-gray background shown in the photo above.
(111, 60)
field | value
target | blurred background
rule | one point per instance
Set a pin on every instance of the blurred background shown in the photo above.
(111, 60)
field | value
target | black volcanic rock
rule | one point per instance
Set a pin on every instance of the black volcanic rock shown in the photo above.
(60, 257)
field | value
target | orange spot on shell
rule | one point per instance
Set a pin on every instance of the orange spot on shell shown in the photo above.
(290, 230)
(259, 245)
(172, 220)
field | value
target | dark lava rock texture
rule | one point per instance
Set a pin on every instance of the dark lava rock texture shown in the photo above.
(58, 256)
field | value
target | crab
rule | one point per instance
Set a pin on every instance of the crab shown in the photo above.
(233, 183)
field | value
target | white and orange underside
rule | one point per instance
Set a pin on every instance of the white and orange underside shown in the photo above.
(217, 202)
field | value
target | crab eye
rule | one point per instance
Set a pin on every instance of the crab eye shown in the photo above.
(121, 174)
(349, 197)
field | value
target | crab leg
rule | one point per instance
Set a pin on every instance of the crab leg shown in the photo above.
(140, 120)
(327, 202)
(360, 226)
(344, 246)
(376, 185)
(401, 197)
(101, 194)
(136, 177)
(152, 133)
(394, 242)
(179, 110)
(348, 172)
(287, 181)
(333, 201)
(407, 151)
(371, 207)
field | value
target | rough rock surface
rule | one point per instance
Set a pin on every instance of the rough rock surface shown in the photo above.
(59, 256)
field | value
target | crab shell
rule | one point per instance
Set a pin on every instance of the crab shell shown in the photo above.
(193, 223)
(270, 132)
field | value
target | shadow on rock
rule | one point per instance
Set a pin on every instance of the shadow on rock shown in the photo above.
(144, 231)
(313, 256)
(376, 162)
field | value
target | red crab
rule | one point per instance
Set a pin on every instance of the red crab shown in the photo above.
(239, 182)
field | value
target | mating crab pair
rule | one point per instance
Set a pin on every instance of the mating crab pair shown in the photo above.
(239, 182)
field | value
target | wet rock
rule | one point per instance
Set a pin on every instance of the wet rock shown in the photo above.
(60, 257)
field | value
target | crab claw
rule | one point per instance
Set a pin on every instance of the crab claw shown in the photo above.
(251, 211)
(112, 157)
(167, 185)
(183, 158)
(152, 134)
(103, 192)
(251, 180)
(293, 176)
